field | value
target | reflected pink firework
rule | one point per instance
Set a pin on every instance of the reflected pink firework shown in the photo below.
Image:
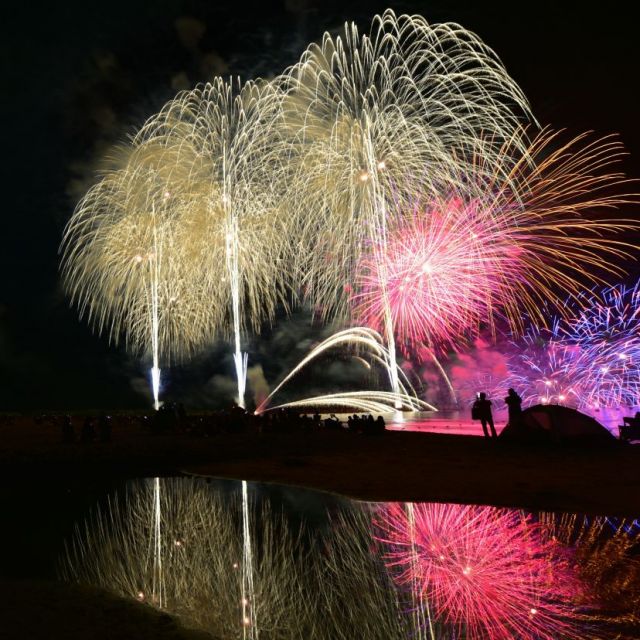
(485, 571)
(442, 270)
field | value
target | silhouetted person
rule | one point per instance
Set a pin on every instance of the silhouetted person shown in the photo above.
(514, 404)
(88, 432)
(181, 414)
(104, 426)
(332, 422)
(482, 411)
(68, 434)
(380, 425)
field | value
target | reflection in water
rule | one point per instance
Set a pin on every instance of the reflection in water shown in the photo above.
(376, 572)
(249, 623)
(489, 573)
(157, 585)
(606, 559)
(202, 558)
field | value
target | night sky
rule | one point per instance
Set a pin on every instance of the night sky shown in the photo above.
(79, 77)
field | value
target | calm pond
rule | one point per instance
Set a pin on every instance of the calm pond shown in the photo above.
(250, 560)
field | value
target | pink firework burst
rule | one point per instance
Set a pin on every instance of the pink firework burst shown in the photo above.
(485, 571)
(440, 272)
(490, 249)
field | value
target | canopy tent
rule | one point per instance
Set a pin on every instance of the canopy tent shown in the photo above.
(556, 423)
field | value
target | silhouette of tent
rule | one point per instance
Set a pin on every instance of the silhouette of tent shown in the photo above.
(555, 423)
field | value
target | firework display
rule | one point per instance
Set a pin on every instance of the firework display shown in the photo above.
(606, 334)
(454, 267)
(547, 367)
(396, 113)
(232, 129)
(132, 263)
(187, 242)
(396, 179)
(437, 272)
(589, 359)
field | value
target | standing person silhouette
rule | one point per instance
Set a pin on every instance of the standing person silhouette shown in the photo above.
(482, 409)
(514, 404)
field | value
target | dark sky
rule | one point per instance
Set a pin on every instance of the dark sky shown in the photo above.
(78, 77)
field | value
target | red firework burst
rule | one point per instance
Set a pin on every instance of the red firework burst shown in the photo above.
(486, 571)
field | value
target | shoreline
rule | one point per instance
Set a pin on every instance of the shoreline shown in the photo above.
(394, 466)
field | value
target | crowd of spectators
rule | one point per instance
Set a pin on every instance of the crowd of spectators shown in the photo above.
(172, 417)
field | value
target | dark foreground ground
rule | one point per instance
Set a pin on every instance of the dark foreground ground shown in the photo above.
(403, 466)
(41, 610)
(46, 485)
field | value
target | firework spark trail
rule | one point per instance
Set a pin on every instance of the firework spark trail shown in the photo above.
(249, 622)
(374, 402)
(153, 290)
(157, 586)
(553, 210)
(485, 571)
(240, 359)
(368, 114)
(371, 346)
